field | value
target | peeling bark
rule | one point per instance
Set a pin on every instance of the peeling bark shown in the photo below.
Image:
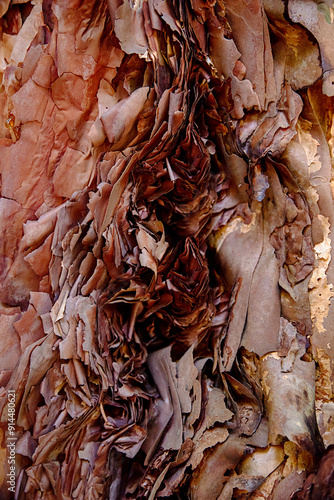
(166, 266)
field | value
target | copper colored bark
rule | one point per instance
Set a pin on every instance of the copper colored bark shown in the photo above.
(166, 207)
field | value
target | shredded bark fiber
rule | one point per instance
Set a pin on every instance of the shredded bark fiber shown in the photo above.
(167, 310)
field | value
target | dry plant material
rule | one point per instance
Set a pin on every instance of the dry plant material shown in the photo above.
(166, 208)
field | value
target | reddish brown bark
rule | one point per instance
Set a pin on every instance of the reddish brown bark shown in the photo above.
(166, 274)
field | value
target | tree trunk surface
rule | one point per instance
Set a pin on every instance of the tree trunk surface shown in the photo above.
(166, 315)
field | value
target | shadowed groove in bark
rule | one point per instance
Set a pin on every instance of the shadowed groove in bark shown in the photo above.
(166, 272)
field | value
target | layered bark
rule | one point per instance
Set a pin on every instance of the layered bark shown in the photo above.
(166, 255)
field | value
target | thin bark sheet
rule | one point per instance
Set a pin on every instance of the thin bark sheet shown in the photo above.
(166, 269)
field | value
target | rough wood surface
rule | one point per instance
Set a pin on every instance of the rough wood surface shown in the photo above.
(167, 317)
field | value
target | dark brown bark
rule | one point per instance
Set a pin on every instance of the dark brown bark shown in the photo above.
(166, 274)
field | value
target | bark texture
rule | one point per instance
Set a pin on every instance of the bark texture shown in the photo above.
(166, 261)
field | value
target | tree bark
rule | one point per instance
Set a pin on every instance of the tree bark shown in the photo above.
(166, 208)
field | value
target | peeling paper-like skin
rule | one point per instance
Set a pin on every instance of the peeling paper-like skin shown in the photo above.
(316, 20)
(166, 254)
(320, 291)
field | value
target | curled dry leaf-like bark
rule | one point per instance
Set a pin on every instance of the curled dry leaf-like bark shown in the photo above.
(166, 250)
